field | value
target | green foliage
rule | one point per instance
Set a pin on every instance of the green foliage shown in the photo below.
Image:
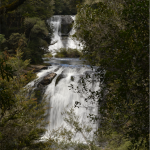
(36, 31)
(2, 38)
(69, 53)
(37, 8)
(2, 41)
(6, 72)
(95, 25)
(17, 40)
(27, 23)
(115, 38)
(48, 55)
(36, 25)
(21, 117)
(32, 8)
(33, 43)
(66, 7)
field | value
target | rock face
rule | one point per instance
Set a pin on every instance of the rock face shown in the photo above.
(61, 76)
(66, 25)
(37, 68)
(47, 80)
(66, 19)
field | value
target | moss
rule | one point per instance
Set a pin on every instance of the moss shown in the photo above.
(69, 53)
(48, 55)
(46, 59)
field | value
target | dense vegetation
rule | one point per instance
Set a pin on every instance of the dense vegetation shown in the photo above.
(27, 24)
(25, 20)
(24, 38)
(20, 112)
(115, 38)
(66, 7)
(68, 53)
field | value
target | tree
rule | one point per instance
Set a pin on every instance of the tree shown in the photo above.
(10, 7)
(66, 7)
(37, 8)
(21, 115)
(115, 38)
(28, 22)
(22, 120)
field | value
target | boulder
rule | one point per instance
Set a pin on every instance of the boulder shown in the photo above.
(66, 25)
(37, 68)
(72, 78)
(66, 19)
(61, 76)
(47, 79)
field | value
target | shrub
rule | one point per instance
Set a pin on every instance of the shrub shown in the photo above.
(69, 53)
(21, 116)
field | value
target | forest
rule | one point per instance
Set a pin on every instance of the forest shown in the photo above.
(115, 39)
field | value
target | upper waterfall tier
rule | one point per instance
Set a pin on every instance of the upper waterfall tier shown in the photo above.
(63, 27)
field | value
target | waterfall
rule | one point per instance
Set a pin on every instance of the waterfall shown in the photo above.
(72, 43)
(55, 23)
(58, 38)
(68, 71)
(61, 98)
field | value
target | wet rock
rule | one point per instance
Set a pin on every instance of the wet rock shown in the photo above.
(47, 79)
(72, 78)
(46, 67)
(81, 77)
(89, 72)
(66, 25)
(61, 76)
(35, 68)
(66, 19)
(57, 69)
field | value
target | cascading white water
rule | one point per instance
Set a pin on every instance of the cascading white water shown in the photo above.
(72, 43)
(59, 41)
(55, 22)
(62, 98)
(58, 95)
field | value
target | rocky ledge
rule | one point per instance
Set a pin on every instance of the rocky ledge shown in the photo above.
(66, 25)
(35, 68)
(47, 79)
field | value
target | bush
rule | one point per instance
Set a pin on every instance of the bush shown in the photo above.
(21, 116)
(69, 53)
(115, 38)
(48, 55)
